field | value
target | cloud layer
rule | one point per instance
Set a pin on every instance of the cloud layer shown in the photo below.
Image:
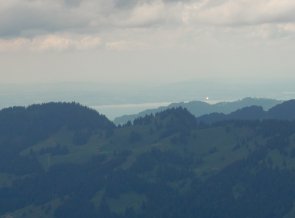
(88, 24)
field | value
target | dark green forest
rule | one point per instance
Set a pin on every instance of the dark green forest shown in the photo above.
(66, 160)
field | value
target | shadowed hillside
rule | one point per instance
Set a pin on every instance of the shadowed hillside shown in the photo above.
(65, 160)
(283, 111)
(199, 108)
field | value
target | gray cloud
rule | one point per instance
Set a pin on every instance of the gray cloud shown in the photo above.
(72, 3)
(29, 17)
(118, 24)
(133, 3)
(239, 12)
(128, 3)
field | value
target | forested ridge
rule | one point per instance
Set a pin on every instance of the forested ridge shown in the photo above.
(66, 160)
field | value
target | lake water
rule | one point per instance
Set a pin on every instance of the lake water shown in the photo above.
(115, 110)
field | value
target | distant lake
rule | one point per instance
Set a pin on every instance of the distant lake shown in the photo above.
(115, 110)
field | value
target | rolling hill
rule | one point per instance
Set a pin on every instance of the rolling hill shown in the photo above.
(283, 111)
(65, 160)
(199, 108)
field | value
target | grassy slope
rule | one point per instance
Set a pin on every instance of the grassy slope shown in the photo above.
(217, 147)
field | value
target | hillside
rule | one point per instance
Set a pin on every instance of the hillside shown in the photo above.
(199, 108)
(283, 111)
(65, 160)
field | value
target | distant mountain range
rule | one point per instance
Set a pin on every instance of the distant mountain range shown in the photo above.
(283, 111)
(199, 108)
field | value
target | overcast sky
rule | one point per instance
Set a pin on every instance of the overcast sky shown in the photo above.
(141, 41)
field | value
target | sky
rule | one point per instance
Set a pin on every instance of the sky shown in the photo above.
(133, 43)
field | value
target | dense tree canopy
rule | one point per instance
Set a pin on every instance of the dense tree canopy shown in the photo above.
(65, 160)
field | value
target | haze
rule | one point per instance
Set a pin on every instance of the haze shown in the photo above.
(224, 49)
